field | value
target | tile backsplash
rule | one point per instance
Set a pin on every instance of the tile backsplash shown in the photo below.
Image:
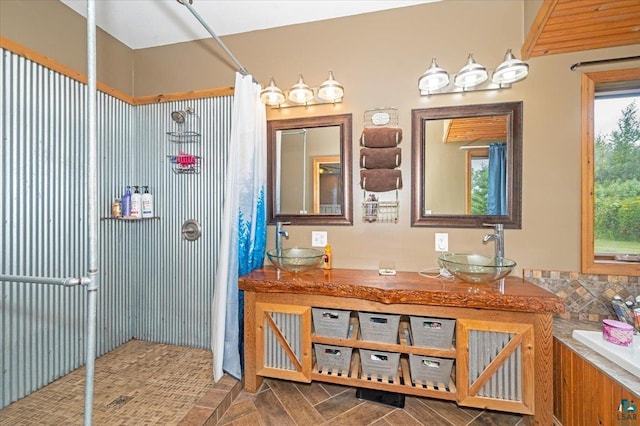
(586, 296)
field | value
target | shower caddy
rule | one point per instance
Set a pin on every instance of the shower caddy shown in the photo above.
(183, 163)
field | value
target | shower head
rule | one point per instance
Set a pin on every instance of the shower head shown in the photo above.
(178, 116)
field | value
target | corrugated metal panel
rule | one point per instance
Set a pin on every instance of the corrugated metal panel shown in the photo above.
(174, 278)
(154, 285)
(42, 224)
(506, 382)
(290, 326)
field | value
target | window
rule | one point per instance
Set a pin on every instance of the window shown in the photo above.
(611, 172)
(477, 181)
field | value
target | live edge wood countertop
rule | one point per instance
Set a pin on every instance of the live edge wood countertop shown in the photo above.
(405, 287)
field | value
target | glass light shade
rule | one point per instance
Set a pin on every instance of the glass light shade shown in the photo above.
(272, 95)
(471, 75)
(300, 93)
(510, 70)
(434, 78)
(331, 90)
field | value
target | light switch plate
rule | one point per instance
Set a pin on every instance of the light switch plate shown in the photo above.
(318, 238)
(442, 241)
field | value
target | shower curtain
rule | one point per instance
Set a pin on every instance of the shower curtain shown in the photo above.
(244, 231)
(497, 191)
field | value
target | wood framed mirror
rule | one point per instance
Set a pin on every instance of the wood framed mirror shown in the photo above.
(309, 171)
(467, 166)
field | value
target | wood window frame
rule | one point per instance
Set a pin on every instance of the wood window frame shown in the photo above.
(589, 262)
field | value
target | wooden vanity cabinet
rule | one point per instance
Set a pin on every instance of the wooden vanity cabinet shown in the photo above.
(502, 358)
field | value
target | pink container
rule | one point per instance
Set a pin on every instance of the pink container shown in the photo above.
(617, 332)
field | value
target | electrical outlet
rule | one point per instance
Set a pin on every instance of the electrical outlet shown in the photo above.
(318, 238)
(442, 241)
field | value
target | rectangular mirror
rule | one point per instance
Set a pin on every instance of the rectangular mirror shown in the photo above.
(467, 165)
(309, 170)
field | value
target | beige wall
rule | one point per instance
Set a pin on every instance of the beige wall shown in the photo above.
(379, 57)
(56, 31)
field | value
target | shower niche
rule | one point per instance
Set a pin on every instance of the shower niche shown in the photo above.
(184, 131)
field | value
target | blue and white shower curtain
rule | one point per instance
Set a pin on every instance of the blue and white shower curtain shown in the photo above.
(244, 231)
(497, 191)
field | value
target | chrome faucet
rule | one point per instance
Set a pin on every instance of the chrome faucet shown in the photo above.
(498, 238)
(279, 234)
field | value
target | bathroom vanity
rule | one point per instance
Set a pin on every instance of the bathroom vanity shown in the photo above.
(501, 350)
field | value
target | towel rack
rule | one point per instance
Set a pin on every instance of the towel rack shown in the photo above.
(381, 116)
(381, 211)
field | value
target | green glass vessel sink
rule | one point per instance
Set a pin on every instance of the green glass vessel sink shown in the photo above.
(475, 268)
(295, 259)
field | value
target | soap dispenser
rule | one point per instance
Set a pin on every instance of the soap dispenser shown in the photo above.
(126, 202)
(147, 203)
(326, 264)
(136, 203)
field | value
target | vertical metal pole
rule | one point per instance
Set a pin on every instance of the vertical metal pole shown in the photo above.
(304, 171)
(92, 193)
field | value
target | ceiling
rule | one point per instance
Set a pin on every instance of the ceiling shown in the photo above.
(477, 129)
(563, 26)
(147, 23)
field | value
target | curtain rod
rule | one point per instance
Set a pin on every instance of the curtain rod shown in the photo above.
(603, 61)
(474, 147)
(187, 4)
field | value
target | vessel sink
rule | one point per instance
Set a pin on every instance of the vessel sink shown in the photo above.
(295, 259)
(475, 268)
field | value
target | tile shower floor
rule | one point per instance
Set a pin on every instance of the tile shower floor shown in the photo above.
(143, 383)
(138, 383)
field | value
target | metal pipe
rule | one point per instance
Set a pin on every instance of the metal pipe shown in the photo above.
(187, 4)
(67, 282)
(92, 210)
(603, 61)
(304, 172)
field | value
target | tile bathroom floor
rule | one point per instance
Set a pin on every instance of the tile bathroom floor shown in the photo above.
(138, 383)
(280, 403)
(141, 383)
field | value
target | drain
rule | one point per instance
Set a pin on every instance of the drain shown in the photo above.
(120, 401)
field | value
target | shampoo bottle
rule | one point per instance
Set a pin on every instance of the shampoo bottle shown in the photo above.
(126, 202)
(147, 203)
(327, 257)
(136, 203)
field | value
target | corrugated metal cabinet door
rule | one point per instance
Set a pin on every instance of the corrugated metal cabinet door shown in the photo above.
(283, 341)
(495, 365)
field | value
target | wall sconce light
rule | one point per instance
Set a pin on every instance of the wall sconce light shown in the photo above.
(300, 94)
(472, 77)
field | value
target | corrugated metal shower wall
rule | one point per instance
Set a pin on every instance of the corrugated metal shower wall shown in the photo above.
(172, 278)
(154, 285)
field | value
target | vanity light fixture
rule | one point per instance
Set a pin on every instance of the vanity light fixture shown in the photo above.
(510, 70)
(472, 77)
(300, 94)
(272, 95)
(435, 78)
(331, 90)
